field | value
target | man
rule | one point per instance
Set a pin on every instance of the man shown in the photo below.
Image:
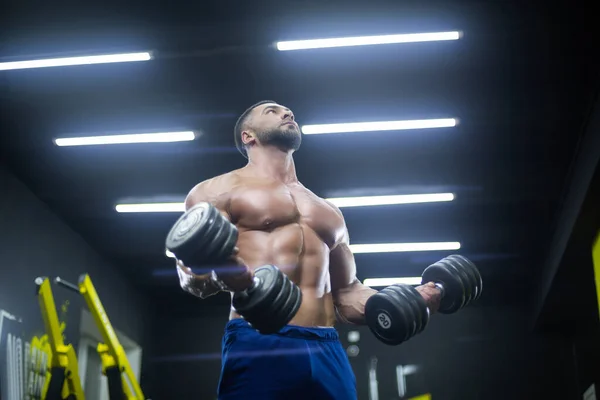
(280, 222)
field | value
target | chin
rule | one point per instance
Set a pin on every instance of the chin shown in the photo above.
(287, 128)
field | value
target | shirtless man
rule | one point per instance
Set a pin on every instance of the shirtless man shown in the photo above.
(280, 222)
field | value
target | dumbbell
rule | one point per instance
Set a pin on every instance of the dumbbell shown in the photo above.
(398, 312)
(203, 237)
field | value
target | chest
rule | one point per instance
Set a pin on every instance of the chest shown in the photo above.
(267, 207)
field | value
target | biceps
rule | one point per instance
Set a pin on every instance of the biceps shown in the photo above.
(342, 268)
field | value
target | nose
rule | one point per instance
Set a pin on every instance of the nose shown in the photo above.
(288, 115)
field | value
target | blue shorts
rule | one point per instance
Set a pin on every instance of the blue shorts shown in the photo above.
(295, 363)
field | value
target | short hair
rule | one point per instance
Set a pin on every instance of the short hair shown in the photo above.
(239, 126)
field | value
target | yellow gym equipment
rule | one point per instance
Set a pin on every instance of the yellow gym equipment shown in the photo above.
(64, 380)
(596, 262)
(426, 396)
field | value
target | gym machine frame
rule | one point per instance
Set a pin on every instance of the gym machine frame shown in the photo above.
(122, 383)
(64, 370)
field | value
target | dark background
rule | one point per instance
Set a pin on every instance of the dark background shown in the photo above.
(523, 81)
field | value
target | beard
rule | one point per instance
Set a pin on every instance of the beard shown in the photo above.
(286, 137)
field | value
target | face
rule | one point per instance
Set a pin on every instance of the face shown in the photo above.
(273, 124)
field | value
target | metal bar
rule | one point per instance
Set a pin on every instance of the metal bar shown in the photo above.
(59, 281)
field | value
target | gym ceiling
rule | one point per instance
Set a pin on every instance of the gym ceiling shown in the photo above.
(519, 81)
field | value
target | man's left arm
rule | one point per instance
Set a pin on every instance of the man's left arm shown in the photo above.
(349, 294)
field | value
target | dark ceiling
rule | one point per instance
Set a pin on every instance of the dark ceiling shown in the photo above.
(520, 82)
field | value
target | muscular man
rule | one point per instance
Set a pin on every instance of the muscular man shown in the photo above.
(281, 222)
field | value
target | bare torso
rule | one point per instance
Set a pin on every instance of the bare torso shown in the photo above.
(288, 226)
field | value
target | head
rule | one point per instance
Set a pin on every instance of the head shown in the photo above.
(267, 124)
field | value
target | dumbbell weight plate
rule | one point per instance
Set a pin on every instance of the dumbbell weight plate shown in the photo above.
(474, 274)
(386, 317)
(253, 302)
(202, 234)
(218, 240)
(479, 280)
(280, 311)
(287, 304)
(412, 315)
(458, 271)
(415, 306)
(473, 278)
(454, 296)
(272, 303)
(457, 265)
(222, 238)
(191, 223)
(419, 305)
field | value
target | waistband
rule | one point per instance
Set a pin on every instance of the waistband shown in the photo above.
(292, 331)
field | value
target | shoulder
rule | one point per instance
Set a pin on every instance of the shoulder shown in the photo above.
(342, 233)
(335, 208)
(214, 190)
(329, 203)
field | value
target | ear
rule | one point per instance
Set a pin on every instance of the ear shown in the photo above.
(248, 138)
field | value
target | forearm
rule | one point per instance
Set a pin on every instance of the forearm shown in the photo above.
(233, 276)
(350, 301)
(202, 286)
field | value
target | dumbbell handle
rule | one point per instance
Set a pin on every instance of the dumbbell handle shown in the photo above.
(441, 287)
(221, 281)
(246, 292)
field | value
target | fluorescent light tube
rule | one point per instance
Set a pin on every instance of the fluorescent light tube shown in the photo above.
(339, 202)
(150, 207)
(402, 247)
(367, 40)
(387, 200)
(407, 280)
(122, 139)
(85, 60)
(378, 126)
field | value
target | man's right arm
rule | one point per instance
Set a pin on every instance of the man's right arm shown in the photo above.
(214, 191)
(205, 285)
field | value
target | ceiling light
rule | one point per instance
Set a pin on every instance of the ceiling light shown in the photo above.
(406, 280)
(338, 201)
(378, 126)
(85, 60)
(402, 247)
(387, 200)
(367, 40)
(150, 207)
(122, 139)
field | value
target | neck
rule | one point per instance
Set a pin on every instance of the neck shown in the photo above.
(273, 163)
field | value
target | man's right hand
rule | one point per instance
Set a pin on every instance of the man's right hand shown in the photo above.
(198, 285)
(236, 276)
